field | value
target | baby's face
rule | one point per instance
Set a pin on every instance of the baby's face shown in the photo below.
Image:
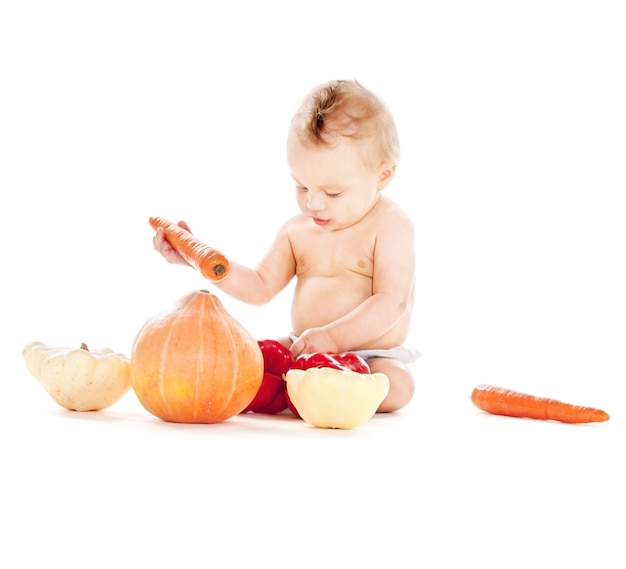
(334, 186)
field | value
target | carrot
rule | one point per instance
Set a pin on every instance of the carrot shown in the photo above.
(210, 263)
(501, 401)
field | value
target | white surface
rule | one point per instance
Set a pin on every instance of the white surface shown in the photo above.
(437, 484)
(511, 121)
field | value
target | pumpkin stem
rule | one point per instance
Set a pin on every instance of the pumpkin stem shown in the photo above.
(83, 346)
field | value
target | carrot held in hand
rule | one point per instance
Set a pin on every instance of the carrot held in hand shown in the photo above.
(501, 401)
(210, 263)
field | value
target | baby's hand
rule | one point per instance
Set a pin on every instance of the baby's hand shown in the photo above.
(164, 247)
(313, 340)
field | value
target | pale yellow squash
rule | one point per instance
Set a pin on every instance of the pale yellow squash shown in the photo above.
(79, 379)
(336, 399)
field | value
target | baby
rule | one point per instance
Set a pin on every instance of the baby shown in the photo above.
(350, 248)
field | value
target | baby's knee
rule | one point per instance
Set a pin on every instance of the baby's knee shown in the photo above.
(401, 383)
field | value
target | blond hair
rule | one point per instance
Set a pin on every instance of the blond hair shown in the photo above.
(343, 108)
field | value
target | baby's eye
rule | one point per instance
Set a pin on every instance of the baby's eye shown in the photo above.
(301, 188)
(333, 194)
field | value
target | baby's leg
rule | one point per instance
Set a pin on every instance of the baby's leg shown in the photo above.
(401, 383)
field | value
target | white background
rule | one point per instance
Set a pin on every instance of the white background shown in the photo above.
(512, 120)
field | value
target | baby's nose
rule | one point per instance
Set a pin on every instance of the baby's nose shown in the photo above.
(315, 202)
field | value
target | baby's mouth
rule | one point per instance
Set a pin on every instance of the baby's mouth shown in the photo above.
(319, 221)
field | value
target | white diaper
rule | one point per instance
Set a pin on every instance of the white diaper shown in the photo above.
(399, 353)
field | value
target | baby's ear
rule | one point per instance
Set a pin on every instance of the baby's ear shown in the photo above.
(385, 174)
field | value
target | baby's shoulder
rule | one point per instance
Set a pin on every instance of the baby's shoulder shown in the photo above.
(295, 223)
(390, 212)
(294, 227)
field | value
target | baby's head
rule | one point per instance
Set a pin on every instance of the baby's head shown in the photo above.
(346, 109)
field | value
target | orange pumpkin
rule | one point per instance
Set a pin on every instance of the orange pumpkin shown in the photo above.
(194, 363)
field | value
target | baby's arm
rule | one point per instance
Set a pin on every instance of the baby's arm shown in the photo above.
(261, 284)
(392, 291)
(253, 286)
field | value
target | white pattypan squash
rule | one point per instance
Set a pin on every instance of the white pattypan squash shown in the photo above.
(336, 399)
(79, 379)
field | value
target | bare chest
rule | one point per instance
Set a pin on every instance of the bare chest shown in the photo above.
(334, 253)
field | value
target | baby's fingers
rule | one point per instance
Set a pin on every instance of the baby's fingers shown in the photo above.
(159, 240)
(184, 225)
(297, 348)
(311, 341)
(165, 249)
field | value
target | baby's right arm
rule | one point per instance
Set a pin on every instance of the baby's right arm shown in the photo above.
(252, 286)
(260, 285)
